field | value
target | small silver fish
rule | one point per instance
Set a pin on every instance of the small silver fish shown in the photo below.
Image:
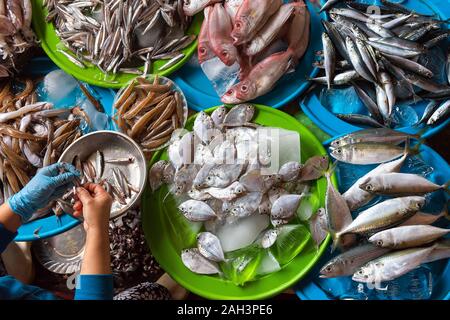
(285, 206)
(290, 171)
(194, 261)
(269, 237)
(196, 211)
(209, 246)
(318, 226)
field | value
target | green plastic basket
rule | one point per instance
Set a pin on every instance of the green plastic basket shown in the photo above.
(158, 224)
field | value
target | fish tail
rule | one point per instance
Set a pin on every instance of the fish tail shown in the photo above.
(336, 236)
(330, 171)
(445, 187)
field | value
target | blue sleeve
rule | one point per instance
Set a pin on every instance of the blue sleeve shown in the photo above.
(94, 287)
(13, 289)
(6, 237)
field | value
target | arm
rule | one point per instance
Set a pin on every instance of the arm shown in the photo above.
(47, 185)
(95, 281)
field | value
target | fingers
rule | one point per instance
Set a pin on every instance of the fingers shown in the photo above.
(70, 168)
(60, 191)
(95, 189)
(55, 169)
(83, 195)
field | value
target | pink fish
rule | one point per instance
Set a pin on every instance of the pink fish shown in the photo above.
(261, 79)
(232, 7)
(219, 31)
(204, 49)
(299, 31)
(251, 17)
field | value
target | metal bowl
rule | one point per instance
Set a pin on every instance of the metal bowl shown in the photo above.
(175, 87)
(62, 253)
(113, 145)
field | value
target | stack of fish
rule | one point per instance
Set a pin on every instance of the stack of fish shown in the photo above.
(114, 181)
(16, 35)
(224, 181)
(117, 35)
(396, 236)
(248, 33)
(389, 52)
(33, 135)
(149, 111)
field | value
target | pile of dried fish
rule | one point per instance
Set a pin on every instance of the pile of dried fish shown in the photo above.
(248, 33)
(118, 35)
(149, 111)
(16, 35)
(223, 182)
(386, 58)
(33, 135)
(114, 180)
(396, 236)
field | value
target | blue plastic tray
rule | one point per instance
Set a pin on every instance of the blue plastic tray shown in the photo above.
(201, 95)
(51, 226)
(308, 289)
(332, 125)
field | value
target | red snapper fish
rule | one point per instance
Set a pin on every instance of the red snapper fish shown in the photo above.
(204, 49)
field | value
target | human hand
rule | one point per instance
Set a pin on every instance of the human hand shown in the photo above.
(50, 183)
(94, 205)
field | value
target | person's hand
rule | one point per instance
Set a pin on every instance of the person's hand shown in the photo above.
(94, 205)
(50, 183)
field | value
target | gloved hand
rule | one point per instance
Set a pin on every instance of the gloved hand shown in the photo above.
(47, 185)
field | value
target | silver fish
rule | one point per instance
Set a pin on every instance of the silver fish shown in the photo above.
(319, 226)
(329, 54)
(269, 237)
(407, 236)
(196, 211)
(194, 261)
(209, 246)
(285, 206)
(441, 114)
(290, 171)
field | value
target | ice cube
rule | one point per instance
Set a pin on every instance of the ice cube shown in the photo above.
(99, 120)
(241, 233)
(342, 101)
(268, 264)
(290, 241)
(404, 116)
(241, 265)
(59, 88)
(222, 77)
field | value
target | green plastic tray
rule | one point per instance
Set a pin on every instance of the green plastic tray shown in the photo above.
(45, 31)
(157, 229)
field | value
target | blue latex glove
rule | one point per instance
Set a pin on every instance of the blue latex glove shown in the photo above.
(47, 185)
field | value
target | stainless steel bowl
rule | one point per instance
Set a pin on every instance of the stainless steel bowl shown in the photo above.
(113, 145)
(62, 253)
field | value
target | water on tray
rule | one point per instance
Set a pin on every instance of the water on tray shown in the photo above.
(221, 76)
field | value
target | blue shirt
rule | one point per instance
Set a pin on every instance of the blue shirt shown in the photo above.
(89, 287)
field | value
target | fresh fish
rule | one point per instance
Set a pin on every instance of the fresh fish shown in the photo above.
(347, 263)
(261, 79)
(99, 164)
(399, 184)
(290, 171)
(392, 50)
(367, 153)
(314, 168)
(378, 135)
(204, 127)
(338, 214)
(222, 176)
(329, 54)
(383, 215)
(441, 251)
(219, 31)
(367, 57)
(204, 50)
(441, 114)
(328, 5)
(410, 65)
(360, 119)
(246, 205)
(239, 115)
(229, 193)
(388, 88)
(218, 115)
(209, 246)
(357, 197)
(196, 211)
(421, 218)
(357, 61)
(156, 174)
(251, 16)
(392, 265)
(285, 206)
(194, 261)
(429, 110)
(339, 79)
(269, 237)
(407, 236)
(319, 226)
(183, 179)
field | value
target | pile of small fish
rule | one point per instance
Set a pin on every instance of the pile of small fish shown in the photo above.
(386, 58)
(118, 35)
(113, 181)
(222, 181)
(248, 32)
(149, 111)
(395, 236)
(16, 35)
(33, 135)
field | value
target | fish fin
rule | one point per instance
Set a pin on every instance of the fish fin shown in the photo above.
(329, 172)
(444, 212)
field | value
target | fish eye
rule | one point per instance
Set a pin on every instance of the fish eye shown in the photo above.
(329, 269)
(238, 25)
(380, 242)
(339, 151)
(230, 92)
(244, 88)
(337, 142)
(360, 272)
(369, 187)
(202, 50)
(187, 2)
